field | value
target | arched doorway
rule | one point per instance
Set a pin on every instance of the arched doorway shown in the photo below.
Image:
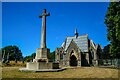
(73, 59)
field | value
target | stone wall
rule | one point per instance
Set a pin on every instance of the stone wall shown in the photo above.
(32, 65)
(44, 65)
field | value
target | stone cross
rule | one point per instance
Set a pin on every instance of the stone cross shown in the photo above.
(43, 35)
(3, 58)
(8, 58)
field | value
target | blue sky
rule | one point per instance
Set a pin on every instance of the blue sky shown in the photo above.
(22, 27)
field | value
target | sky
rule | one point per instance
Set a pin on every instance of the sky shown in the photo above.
(21, 25)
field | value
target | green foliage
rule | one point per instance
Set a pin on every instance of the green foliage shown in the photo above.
(106, 52)
(52, 56)
(112, 21)
(14, 52)
(32, 56)
(99, 52)
(29, 58)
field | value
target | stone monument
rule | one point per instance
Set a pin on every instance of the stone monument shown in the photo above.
(8, 55)
(3, 58)
(41, 61)
(42, 53)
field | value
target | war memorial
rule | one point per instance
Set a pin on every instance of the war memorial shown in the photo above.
(41, 61)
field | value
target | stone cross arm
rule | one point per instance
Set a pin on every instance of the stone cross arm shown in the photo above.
(44, 14)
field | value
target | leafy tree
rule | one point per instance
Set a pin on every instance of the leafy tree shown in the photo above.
(33, 55)
(106, 52)
(30, 57)
(112, 21)
(14, 53)
(52, 56)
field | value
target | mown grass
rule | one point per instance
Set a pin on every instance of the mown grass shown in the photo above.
(81, 72)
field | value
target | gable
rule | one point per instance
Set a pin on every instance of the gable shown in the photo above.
(71, 46)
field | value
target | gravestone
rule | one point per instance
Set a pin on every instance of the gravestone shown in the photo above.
(3, 58)
(8, 58)
(41, 61)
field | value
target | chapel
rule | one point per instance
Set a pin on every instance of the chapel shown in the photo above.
(78, 50)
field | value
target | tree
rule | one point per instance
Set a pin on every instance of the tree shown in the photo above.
(112, 21)
(106, 50)
(30, 57)
(14, 53)
(52, 56)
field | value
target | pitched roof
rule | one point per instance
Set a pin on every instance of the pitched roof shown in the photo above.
(81, 41)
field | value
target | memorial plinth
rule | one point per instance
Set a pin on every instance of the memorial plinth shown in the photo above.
(42, 53)
(41, 61)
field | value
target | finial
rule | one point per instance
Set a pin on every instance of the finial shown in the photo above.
(76, 33)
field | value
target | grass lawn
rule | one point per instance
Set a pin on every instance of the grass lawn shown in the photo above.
(81, 72)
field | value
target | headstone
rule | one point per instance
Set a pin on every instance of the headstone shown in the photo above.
(7, 58)
(3, 58)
